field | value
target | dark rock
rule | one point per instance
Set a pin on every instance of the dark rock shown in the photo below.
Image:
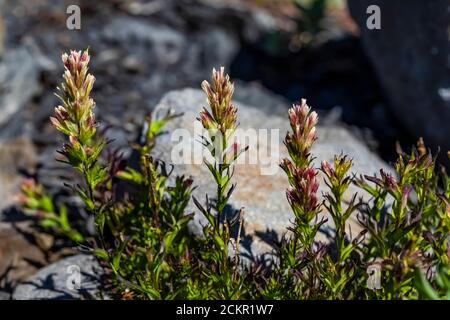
(411, 55)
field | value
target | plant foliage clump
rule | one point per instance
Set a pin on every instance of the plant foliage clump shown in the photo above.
(141, 217)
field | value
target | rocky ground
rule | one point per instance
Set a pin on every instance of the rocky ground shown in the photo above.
(143, 50)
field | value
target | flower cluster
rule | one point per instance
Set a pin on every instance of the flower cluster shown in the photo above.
(220, 122)
(223, 115)
(302, 195)
(336, 174)
(299, 142)
(387, 181)
(75, 118)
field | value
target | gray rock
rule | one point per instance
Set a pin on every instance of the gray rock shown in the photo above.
(21, 257)
(162, 47)
(241, 17)
(18, 84)
(53, 281)
(411, 55)
(165, 44)
(154, 58)
(254, 94)
(267, 211)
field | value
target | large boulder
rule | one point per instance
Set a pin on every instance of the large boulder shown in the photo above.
(261, 186)
(411, 54)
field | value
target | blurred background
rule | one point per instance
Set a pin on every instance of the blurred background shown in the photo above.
(385, 85)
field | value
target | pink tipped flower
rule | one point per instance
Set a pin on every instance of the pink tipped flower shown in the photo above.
(288, 167)
(75, 116)
(76, 61)
(389, 182)
(301, 119)
(303, 192)
(73, 140)
(61, 113)
(300, 140)
(90, 121)
(223, 114)
(55, 122)
(337, 172)
(233, 152)
(405, 194)
(207, 120)
(327, 169)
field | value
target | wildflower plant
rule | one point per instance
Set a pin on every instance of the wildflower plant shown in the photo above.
(297, 254)
(76, 120)
(302, 195)
(141, 217)
(220, 123)
(411, 234)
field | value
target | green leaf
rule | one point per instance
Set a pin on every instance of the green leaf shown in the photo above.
(219, 242)
(118, 256)
(63, 218)
(100, 253)
(86, 199)
(48, 223)
(131, 175)
(425, 287)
